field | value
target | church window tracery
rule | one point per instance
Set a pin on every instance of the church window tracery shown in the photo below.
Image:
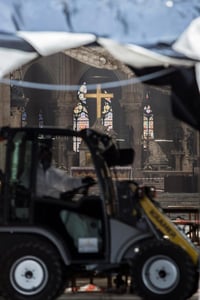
(80, 115)
(104, 111)
(148, 125)
(107, 112)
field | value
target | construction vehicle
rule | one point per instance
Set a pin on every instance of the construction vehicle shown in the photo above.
(131, 236)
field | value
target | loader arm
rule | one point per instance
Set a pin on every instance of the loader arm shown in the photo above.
(165, 225)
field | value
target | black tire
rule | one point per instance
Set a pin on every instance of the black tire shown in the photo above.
(195, 285)
(162, 270)
(64, 283)
(31, 270)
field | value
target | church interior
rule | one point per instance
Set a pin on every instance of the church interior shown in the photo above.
(106, 97)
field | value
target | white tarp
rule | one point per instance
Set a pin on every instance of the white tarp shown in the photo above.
(141, 33)
(146, 35)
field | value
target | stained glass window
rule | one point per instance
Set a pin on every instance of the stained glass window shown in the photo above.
(107, 113)
(40, 119)
(80, 116)
(148, 124)
(23, 118)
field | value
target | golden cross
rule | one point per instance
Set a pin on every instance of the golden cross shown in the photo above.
(99, 95)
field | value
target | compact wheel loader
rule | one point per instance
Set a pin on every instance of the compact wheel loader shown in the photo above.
(107, 226)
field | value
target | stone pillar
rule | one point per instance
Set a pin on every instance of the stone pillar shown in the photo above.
(4, 105)
(64, 111)
(133, 116)
(64, 119)
(134, 110)
(15, 117)
(187, 164)
(178, 159)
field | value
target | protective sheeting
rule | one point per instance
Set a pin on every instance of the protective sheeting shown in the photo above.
(143, 34)
(139, 32)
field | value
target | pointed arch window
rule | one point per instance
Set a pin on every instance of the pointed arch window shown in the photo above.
(107, 112)
(148, 125)
(40, 119)
(80, 121)
(23, 117)
(80, 113)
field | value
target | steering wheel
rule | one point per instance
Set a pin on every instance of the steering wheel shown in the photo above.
(83, 189)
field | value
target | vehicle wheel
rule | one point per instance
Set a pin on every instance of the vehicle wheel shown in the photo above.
(64, 283)
(195, 285)
(162, 270)
(32, 270)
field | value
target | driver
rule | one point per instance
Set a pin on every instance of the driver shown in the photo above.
(52, 181)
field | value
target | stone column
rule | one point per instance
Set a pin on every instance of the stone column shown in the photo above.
(64, 111)
(178, 159)
(134, 110)
(133, 114)
(4, 105)
(187, 164)
(15, 117)
(64, 119)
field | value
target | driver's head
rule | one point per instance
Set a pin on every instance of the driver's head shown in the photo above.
(45, 156)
